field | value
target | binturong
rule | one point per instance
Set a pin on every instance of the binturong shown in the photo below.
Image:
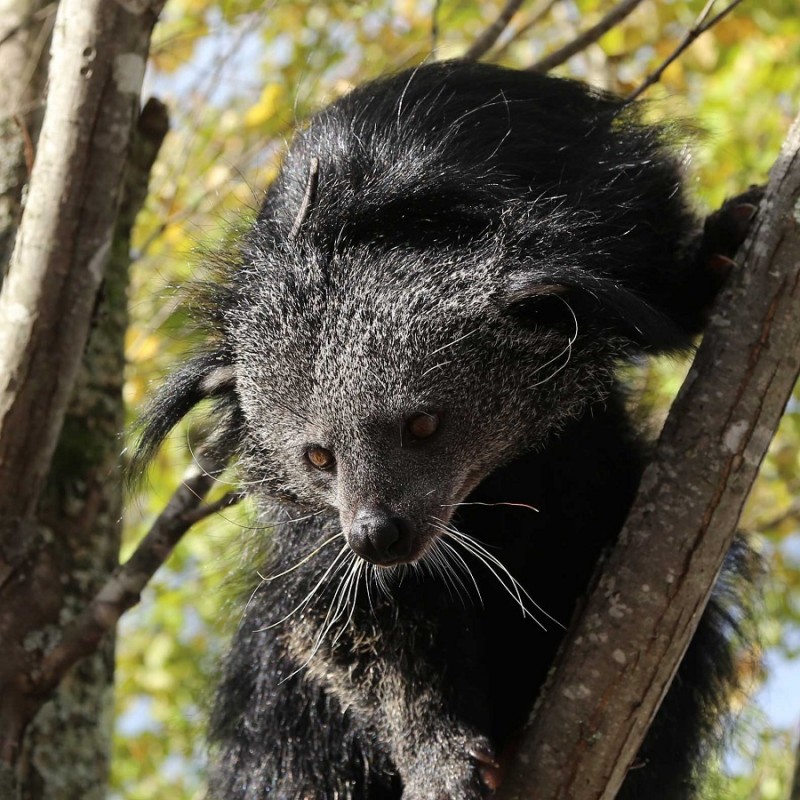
(413, 364)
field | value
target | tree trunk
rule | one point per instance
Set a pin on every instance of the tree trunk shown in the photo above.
(65, 752)
(61, 343)
(25, 27)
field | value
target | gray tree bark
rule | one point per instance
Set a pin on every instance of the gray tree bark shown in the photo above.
(64, 241)
(66, 749)
(59, 542)
(25, 27)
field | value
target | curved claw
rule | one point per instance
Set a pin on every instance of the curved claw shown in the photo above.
(488, 766)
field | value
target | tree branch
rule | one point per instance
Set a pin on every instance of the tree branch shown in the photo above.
(583, 40)
(538, 13)
(26, 21)
(486, 40)
(700, 27)
(120, 592)
(620, 657)
(51, 577)
(794, 791)
(62, 247)
(124, 586)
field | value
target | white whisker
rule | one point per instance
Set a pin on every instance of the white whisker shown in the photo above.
(332, 567)
(509, 583)
(455, 341)
(567, 349)
(302, 560)
(439, 558)
(499, 503)
(463, 564)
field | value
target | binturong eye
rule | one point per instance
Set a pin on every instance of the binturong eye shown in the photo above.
(320, 458)
(422, 426)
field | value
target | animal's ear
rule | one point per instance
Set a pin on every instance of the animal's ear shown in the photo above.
(595, 305)
(205, 376)
(536, 302)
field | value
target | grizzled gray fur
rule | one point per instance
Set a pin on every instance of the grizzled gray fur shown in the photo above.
(413, 360)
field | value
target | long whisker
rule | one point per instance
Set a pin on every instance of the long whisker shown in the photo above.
(268, 525)
(334, 566)
(336, 605)
(268, 578)
(512, 586)
(463, 564)
(352, 598)
(253, 594)
(567, 349)
(499, 503)
(455, 341)
(440, 563)
(380, 581)
(302, 560)
(293, 520)
(504, 577)
(341, 601)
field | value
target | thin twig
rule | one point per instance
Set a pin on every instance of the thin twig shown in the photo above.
(435, 26)
(487, 39)
(538, 13)
(791, 512)
(589, 36)
(123, 588)
(26, 21)
(794, 793)
(700, 27)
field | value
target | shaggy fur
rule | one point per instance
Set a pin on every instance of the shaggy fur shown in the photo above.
(479, 247)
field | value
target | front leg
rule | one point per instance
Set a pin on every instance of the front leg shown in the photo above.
(458, 764)
(711, 257)
(412, 676)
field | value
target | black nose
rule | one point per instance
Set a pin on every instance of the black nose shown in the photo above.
(380, 537)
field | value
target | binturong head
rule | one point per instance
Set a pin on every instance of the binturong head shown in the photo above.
(445, 272)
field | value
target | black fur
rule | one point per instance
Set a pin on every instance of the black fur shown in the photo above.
(482, 247)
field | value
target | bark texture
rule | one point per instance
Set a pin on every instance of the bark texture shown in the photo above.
(54, 554)
(64, 241)
(25, 27)
(71, 547)
(621, 655)
(66, 749)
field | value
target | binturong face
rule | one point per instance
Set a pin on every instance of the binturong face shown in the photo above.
(390, 386)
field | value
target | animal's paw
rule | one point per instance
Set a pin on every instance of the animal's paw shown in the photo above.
(726, 229)
(465, 768)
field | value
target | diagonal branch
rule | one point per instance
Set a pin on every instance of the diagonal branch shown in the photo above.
(701, 25)
(27, 20)
(487, 39)
(589, 36)
(538, 13)
(124, 586)
(620, 657)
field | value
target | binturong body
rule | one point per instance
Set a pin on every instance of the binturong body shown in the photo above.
(413, 361)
